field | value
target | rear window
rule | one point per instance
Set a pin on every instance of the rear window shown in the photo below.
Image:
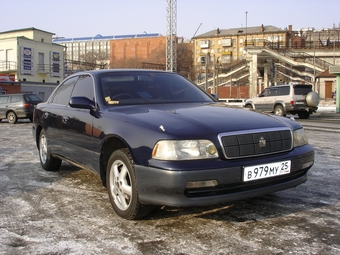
(302, 90)
(33, 98)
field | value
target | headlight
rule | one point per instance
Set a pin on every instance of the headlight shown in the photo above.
(184, 150)
(300, 137)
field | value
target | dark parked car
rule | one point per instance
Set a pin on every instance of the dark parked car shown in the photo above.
(154, 138)
(18, 106)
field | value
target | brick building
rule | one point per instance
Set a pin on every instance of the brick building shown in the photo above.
(139, 50)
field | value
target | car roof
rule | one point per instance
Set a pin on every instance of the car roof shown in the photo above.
(18, 94)
(101, 71)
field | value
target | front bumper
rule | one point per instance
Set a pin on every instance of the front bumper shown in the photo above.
(168, 187)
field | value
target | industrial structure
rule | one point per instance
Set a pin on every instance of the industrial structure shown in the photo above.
(171, 36)
(261, 56)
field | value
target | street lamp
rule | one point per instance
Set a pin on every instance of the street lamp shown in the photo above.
(246, 28)
(313, 38)
(334, 49)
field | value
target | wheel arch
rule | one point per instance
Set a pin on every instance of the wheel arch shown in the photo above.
(249, 103)
(281, 103)
(110, 145)
(37, 134)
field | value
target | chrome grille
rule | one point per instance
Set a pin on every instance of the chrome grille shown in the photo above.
(252, 143)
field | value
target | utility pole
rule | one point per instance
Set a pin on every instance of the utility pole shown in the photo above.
(246, 28)
(171, 36)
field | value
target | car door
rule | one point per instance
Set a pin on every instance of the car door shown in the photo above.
(77, 126)
(52, 114)
(263, 101)
(3, 106)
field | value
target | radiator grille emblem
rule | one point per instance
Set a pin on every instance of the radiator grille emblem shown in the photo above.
(262, 142)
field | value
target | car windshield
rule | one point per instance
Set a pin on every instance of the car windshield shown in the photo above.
(149, 87)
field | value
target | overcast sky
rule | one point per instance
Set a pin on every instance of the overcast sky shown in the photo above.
(78, 18)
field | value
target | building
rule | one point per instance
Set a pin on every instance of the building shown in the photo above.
(99, 52)
(30, 57)
(228, 46)
(326, 82)
(261, 56)
(139, 52)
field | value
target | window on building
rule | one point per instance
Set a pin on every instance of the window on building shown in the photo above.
(42, 95)
(41, 61)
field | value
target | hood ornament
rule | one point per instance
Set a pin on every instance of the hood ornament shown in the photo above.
(162, 128)
(262, 142)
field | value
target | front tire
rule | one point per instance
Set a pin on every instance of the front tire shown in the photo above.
(122, 187)
(47, 161)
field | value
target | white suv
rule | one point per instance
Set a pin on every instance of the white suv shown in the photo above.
(286, 99)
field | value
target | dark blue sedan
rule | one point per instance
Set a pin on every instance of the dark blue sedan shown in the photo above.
(155, 138)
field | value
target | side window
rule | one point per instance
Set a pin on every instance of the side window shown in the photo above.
(283, 91)
(84, 87)
(265, 93)
(63, 93)
(3, 100)
(15, 99)
(273, 92)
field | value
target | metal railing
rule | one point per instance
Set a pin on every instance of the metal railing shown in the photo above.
(8, 65)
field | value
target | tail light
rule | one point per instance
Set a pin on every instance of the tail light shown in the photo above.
(26, 105)
(292, 102)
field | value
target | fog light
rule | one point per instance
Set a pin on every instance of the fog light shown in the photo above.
(201, 184)
(308, 164)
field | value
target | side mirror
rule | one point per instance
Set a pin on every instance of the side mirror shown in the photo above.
(214, 96)
(81, 103)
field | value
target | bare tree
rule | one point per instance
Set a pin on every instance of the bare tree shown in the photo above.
(184, 59)
(93, 60)
(127, 63)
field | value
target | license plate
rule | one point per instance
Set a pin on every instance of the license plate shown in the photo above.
(251, 173)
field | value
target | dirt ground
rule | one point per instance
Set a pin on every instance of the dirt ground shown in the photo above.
(68, 212)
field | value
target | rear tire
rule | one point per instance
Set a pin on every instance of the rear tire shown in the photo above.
(47, 161)
(122, 187)
(303, 115)
(12, 117)
(279, 111)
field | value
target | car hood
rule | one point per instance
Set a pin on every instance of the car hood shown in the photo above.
(197, 118)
